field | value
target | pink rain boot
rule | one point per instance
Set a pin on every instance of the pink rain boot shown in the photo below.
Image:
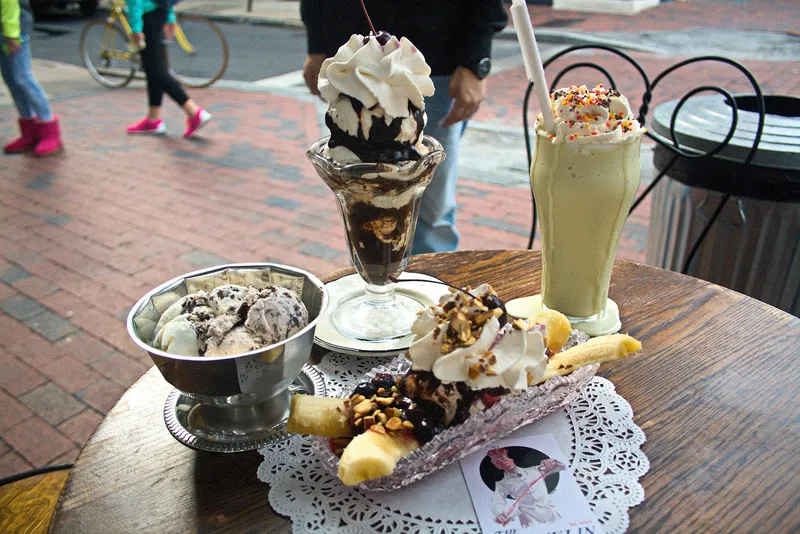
(49, 138)
(26, 141)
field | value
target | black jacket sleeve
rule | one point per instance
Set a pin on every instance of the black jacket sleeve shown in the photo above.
(312, 13)
(480, 20)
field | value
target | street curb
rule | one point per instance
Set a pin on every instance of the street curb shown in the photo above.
(543, 35)
(552, 36)
(244, 19)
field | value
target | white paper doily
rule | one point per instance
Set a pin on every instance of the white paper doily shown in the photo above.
(596, 431)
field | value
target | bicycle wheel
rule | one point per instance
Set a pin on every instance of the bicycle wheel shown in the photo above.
(198, 56)
(104, 49)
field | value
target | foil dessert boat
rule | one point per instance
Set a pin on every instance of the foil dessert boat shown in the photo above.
(456, 442)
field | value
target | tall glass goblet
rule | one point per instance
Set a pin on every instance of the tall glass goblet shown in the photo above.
(379, 203)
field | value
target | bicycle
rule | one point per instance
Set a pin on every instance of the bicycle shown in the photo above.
(117, 60)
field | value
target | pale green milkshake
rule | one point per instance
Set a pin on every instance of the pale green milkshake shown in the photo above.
(584, 177)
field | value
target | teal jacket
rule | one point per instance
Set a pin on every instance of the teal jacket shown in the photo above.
(137, 8)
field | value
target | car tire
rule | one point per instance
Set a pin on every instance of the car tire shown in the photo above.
(89, 9)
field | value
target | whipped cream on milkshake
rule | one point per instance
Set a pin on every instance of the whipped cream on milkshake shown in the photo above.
(585, 175)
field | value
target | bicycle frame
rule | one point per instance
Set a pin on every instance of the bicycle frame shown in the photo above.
(118, 14)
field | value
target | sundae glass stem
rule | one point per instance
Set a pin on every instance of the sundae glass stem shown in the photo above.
(379, 295)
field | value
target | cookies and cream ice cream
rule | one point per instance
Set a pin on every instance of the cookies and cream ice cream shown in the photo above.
(375, 87)
(230, 320)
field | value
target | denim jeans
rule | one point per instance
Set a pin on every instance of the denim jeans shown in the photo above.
(436, 229)
(17, 72)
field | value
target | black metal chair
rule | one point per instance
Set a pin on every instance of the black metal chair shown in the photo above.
(647, 95)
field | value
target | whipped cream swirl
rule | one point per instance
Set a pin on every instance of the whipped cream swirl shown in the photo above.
(591, 116)
(391, 75)
(376, 100)
(502, 356)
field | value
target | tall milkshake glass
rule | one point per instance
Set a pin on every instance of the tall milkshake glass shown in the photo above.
(584, 185)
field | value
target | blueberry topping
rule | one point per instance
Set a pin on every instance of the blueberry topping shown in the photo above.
(383, 381)
(367, 389)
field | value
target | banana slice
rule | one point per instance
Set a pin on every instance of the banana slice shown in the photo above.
(596, 350)
(318, 416)
(373, 455)
(558, 328)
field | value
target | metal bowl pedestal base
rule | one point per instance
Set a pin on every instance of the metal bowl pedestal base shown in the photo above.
(236, 428)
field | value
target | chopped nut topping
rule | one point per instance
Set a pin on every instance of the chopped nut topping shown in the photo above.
(408, 425)
(363, 407)
(474, 371)
(381, 390)
(394, 423)
(490, 372)
(368, 422)
(393, 412)
(357, 398)
(378, 428)
(492, 358)
(520, 324)
(382, 418)
(385, 401)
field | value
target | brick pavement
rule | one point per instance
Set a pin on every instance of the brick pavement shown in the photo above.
(84, 235)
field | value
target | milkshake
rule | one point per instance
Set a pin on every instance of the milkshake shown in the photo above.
(377, 162)
(584, 175)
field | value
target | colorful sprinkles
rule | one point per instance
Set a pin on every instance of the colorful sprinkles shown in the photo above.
(583, 102)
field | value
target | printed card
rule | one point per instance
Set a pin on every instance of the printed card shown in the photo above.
(524, 486)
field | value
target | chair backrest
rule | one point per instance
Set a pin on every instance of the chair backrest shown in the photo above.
(648, 87)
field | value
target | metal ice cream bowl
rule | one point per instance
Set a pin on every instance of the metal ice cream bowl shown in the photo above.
(233, 403)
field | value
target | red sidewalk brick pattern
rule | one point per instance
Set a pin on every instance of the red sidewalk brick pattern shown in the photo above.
(85, 234)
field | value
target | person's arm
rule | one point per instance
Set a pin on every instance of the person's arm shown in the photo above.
(135, 15)
(312, 13)
(10, 20)
(480, 20)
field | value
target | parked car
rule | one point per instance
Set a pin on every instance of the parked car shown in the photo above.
(87, 7)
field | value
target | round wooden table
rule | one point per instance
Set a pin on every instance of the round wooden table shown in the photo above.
(716, 392)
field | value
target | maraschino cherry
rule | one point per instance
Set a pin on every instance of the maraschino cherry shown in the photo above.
(382, 37)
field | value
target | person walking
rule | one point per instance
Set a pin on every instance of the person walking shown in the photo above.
(152, 22)
(456, 40)
(39, 129)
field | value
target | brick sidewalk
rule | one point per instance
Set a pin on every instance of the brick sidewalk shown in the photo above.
(84, 235)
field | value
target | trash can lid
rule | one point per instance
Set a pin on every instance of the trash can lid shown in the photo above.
(703, 122)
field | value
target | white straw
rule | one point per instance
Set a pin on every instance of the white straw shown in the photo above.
(532, 60)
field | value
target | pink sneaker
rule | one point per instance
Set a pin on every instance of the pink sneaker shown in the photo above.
(193, 124)
(148, 127)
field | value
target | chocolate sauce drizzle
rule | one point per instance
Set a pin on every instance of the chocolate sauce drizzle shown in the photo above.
(381, 146)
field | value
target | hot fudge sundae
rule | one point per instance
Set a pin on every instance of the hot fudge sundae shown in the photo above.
(375, 87)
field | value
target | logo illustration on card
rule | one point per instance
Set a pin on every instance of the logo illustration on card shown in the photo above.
(523, 485)
(522, 480)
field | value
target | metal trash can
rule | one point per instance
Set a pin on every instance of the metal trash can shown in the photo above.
(754, 245)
